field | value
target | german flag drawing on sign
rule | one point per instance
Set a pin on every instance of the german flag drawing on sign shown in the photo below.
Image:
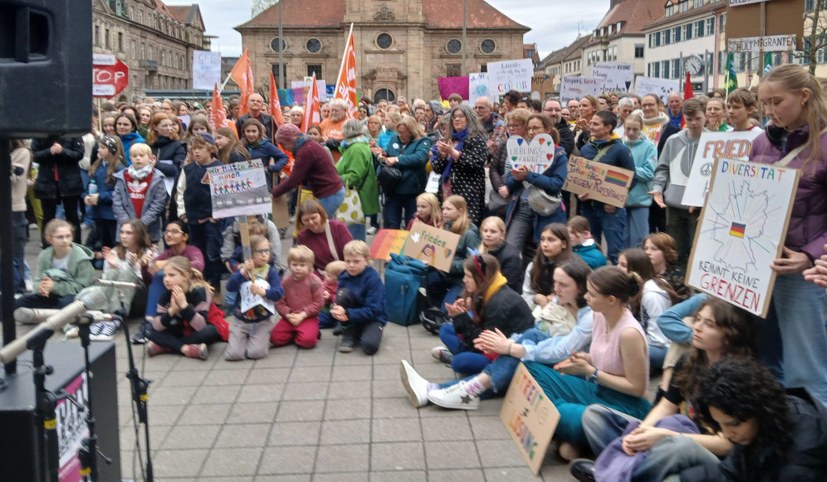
(737, 230)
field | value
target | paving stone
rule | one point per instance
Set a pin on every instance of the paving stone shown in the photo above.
(488, 428)
(205, 414)
(454, 475)
(277, 359)
(451, 455)
(305, 391)
(393, 408)
(191, 437)
(345, 432)
(349, 390)
(387, 389)
(399, 476)
(287, 460)
(356, 357)
(342, 458)
(305, 374)
(397, 456)
(253, 412)
(218, 394)
(396, 430)
(300, 411)
(517, 474)
(294, 433)
(179, 463)
(499, 453)
(163, 414)
(226, 377)
(266, 376)
(172, 395)
(284, 478)
(322, 355)
(448, 428)
(185, 378)
(386, 372)
(352, 373)
(232, 462)
(261, 393)
(243, 435)
(341, 477)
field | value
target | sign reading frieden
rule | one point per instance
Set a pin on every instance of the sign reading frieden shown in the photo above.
(711, 146)
(741, 231)
(530, 417)
(239, 189)
(602, 182)
(435, 247)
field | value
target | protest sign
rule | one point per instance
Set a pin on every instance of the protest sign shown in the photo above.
(711, 146)
(575, 88)
(435, 247)
(388, 241)
(72, 428)
(602, 182)
(239, 188)
(302, 86)
(253, 305)
(453, 85)
(206, 69)
(659, 87)
(537, 156)
(741, 230)
(530, 417)
(478, 86)
(510, 75)
(617, 76)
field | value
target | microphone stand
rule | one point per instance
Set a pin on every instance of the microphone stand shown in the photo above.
(45, 404)
(139, 387)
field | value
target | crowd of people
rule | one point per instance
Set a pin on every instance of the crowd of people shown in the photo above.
(529, 281)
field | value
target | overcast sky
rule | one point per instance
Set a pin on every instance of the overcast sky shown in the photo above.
(554, 23)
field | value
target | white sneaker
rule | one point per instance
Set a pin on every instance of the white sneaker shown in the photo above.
(455, 397)
(370, 231)
(415, 385)
(442, 354)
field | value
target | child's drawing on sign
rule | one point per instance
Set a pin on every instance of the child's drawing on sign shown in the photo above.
(253, 301)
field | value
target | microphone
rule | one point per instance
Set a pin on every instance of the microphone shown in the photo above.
(85, 300)
(33, 316)
(117, 284)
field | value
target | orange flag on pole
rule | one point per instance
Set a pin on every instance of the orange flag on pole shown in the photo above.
(217, 113)
(346, 82)
(275, 105)
(242, 74)
(312, 110)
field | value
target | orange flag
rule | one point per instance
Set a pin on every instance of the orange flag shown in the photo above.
(275, 105)
(346, 82)
(312, 109)
(217, 113)
(242, 74)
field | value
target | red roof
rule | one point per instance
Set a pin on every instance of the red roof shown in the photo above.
(304, 13)
(636, 13)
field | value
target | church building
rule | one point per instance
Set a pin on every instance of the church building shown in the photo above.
(402, 46)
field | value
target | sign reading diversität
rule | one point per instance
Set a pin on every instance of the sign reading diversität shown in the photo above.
(536, 155)
(530, 417)
(435, 247)
(602, 182)
(711, 146)
(741, 230)
(239, 188)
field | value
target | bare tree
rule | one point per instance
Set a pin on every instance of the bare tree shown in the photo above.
(816, 39)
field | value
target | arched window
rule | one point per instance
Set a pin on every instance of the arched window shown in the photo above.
(384, 94)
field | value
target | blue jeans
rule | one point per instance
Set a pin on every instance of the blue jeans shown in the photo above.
(669, 455)
(798, 311)
(611, 225)
(357, 231)
(331, 203)
(153, 293)
(466, 359)
(208, 238)
(637, 226)
(392, 211)
(521, 226)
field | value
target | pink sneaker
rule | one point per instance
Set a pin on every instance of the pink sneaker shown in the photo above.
(154, 349)
(199, 352)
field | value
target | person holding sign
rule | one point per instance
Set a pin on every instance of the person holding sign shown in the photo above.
(259, 147)
(258, 286)
(607, 148)
(672, 174)
(796, 106)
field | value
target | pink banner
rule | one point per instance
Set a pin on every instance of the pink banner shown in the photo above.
(453, 85)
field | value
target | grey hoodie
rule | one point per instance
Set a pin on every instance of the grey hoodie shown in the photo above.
(674, 166)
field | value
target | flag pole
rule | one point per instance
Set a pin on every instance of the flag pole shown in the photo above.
(344, 58)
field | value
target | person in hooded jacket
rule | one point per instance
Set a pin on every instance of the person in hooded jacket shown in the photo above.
(607, 148)
(127, 129)
(644, 153)
(254, 138)
(58, 179)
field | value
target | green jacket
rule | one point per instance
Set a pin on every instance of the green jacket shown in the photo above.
(356, 169)
(470, 240)
(78, 277)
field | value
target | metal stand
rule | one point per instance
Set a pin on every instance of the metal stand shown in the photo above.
(48, 448)
(7, 253)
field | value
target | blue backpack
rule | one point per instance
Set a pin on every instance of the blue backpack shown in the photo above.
(403, 278)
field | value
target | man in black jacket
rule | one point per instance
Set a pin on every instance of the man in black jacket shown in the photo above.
(553, 109)
(58, 178)
(256, 105)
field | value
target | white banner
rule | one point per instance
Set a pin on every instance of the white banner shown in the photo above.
(575, 88)
(296, 84)
(510, 75)
(659, 87)
(617, 76)
(772, 43)
(740, 3)
(478, 87)
(206, 69)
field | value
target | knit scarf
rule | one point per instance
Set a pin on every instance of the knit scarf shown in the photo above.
(139, 174)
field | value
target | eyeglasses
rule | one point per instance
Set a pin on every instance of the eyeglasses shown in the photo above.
(514, 126)
(262, 251)
(173, 231)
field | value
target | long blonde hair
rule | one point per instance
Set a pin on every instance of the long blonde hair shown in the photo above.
(433, 202)
(792, 78)
(183, 266)
(462, 222)
(498, 222)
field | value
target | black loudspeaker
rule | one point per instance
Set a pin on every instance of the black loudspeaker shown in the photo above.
(45, 67)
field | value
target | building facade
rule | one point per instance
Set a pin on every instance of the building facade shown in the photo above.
(402, 46)
(154, 40)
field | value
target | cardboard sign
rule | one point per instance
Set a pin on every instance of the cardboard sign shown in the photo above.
(602, 182)
(239, 188)
(435, 247)
(575, 88)
(255, 304)
(530, 417)
(478, 87)
(660, 87)
(388, 241)
(711, 146)
(510, 75)
(537, 156)
(617, 76)
(741, 231)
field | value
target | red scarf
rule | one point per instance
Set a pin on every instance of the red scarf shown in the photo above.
(137, 191)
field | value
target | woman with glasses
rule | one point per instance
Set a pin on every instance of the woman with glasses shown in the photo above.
(176, 236)
(499, 199)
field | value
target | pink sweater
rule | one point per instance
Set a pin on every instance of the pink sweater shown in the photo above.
(301, 295)
(605, 347)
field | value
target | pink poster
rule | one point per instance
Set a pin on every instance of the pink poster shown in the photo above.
(453, 85)
(72, 429)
